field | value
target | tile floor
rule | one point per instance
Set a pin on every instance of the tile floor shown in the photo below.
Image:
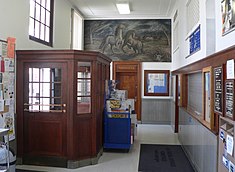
(122, 162)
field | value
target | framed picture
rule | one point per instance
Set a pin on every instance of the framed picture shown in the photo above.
(228, 15)
(156, 82)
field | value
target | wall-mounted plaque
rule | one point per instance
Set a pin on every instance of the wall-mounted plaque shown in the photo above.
(218, 97)
(195, 41)
(229, 99)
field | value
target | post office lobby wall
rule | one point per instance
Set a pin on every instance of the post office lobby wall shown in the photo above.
(156, 111)
(199, 143)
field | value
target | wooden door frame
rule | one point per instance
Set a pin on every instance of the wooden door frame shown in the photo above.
(130, 66)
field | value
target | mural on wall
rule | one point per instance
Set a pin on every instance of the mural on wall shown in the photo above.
(139, 40)
(228, 15)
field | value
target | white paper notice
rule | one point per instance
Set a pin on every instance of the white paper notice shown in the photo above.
(230, 69)
(1, 105)
(231, 167)
(229, 143)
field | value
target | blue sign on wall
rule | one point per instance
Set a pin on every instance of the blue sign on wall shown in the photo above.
(195, 41)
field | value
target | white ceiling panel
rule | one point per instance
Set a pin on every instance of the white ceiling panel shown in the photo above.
(93, 9)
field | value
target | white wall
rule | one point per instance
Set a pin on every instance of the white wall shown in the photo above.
(180, 56)
(15, 22)
(222, 42)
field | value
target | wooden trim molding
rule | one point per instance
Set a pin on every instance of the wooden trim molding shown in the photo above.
(208, 96)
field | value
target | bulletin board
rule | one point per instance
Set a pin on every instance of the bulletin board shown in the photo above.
(156, 82)
(7, 85)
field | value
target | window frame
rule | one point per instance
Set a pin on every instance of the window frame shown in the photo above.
(90, 91)
(211, 122)
(33, 38)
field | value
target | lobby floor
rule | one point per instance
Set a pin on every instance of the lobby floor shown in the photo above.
(122, 162)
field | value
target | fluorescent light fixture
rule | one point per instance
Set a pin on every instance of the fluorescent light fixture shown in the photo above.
(123, 7)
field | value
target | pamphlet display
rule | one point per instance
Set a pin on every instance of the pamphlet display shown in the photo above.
(226, 159)
(118, 128)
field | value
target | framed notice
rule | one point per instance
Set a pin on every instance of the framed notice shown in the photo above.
(195, 41)
(218, 90)
(156, 82)
(229, 99)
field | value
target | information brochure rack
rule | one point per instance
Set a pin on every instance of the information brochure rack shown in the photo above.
(117, 128)
(118, 133)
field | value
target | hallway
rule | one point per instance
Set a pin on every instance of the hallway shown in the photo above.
(123, 162)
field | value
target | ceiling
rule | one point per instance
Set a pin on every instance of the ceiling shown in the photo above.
(105, 9)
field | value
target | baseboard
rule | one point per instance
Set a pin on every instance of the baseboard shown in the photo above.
(73, 164)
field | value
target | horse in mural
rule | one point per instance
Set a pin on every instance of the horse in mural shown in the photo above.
(113, 40)
(132, 42)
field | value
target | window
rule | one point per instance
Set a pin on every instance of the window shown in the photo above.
(84, 87)
(45, 89)
(41, 21)
(77, 31)
(193, 14)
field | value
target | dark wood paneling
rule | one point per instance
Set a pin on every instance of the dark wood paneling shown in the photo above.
(83, 136)
(48, 140)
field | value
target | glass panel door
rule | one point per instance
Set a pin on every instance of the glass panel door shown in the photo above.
(45, 89)
(45, 110)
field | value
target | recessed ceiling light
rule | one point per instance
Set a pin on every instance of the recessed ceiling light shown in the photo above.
(123, 7)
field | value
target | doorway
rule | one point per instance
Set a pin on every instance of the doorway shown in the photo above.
(128, 74)
(44, 110)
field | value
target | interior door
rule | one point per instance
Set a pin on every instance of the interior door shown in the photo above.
(45, 114)
(128, 81)
(128, 75)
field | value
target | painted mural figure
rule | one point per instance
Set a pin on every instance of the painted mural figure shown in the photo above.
(113, 40)
(132, 42)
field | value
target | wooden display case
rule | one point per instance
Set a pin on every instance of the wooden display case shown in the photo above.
(60, 102)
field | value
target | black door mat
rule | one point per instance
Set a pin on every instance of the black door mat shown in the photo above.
(19, 170)
(163, 158)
